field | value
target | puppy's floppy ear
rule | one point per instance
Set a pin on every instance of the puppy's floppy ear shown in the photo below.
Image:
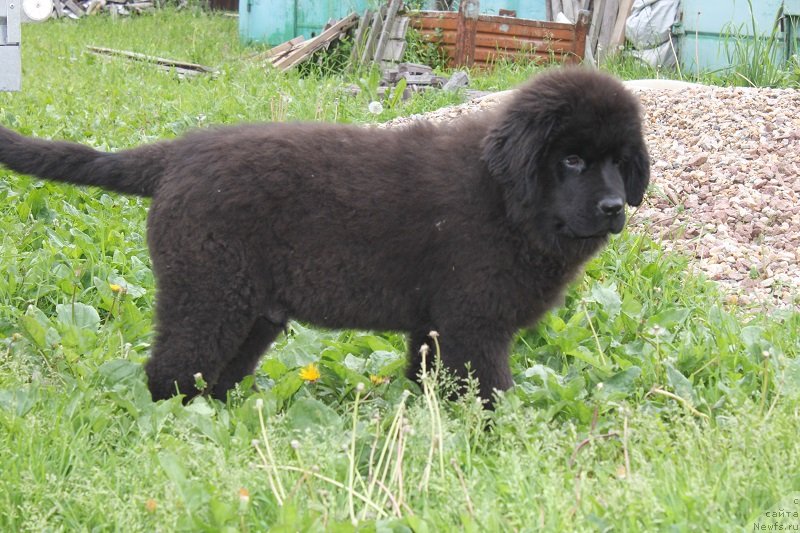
(513, 150)
(636, 175)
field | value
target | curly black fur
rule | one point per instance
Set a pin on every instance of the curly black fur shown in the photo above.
(471, 229)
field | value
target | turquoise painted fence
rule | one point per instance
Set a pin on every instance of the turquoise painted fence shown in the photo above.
(707, 24)
(277, 21)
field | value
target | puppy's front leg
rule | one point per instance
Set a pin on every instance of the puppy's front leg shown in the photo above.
(479, 352)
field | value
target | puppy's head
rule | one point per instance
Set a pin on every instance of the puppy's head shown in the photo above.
(569, 153)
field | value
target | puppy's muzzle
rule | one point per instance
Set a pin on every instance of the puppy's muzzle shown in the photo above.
(612, 213)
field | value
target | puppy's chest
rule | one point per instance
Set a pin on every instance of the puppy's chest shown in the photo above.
(541, 288)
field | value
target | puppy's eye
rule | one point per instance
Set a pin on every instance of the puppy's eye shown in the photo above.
(573, 162)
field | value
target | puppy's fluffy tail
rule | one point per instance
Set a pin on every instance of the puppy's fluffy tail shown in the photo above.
(130, 172)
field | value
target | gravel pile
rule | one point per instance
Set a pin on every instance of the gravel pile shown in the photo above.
(725, 182)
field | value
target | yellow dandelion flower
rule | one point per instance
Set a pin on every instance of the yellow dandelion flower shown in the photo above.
(244, 495)
(310, 372)
(378, 380)
(150, 505)
(116, 288)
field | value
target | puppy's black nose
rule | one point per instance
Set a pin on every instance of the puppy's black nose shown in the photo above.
(611, 205)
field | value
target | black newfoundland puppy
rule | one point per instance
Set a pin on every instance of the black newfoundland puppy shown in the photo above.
(471, 229)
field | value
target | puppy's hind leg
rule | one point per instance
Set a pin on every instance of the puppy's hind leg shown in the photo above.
(244, 362)
(201, 327)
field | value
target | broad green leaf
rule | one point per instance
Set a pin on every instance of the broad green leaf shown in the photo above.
(311, 414)
(752, 335)
(19, 401)
(273, 367)
(670, 318)
(607, 297)
(680, 384)
(385, 363)
(587, 356)
(36, 324)
(356, 364)
(286, 386)
(119, 370)
(791, 379)
(78, 314)
(377, 343)
(620, 384)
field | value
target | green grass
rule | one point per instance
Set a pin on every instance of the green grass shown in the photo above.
(643, 404)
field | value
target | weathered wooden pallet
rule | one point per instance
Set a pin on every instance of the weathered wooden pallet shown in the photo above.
(303, 50)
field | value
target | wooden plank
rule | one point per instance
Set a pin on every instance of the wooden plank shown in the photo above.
(525, 23)
(396, 46)
(513, 43)
(394, 6)
(375, 30)
(400, 28)
(468, 11)
(610, 11)
(594, 29)
(581, 31)
(564, 31)
(280, 49)
(149, 59)
(282, 55)
(304, 50)
(359, 40)
(59, 7)
(430, 21)
(307, 48)
(527, 32)
(394, 50)
(75, 8)
(489, 55)
(95, 7)
(618, 35)
(446, 20)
